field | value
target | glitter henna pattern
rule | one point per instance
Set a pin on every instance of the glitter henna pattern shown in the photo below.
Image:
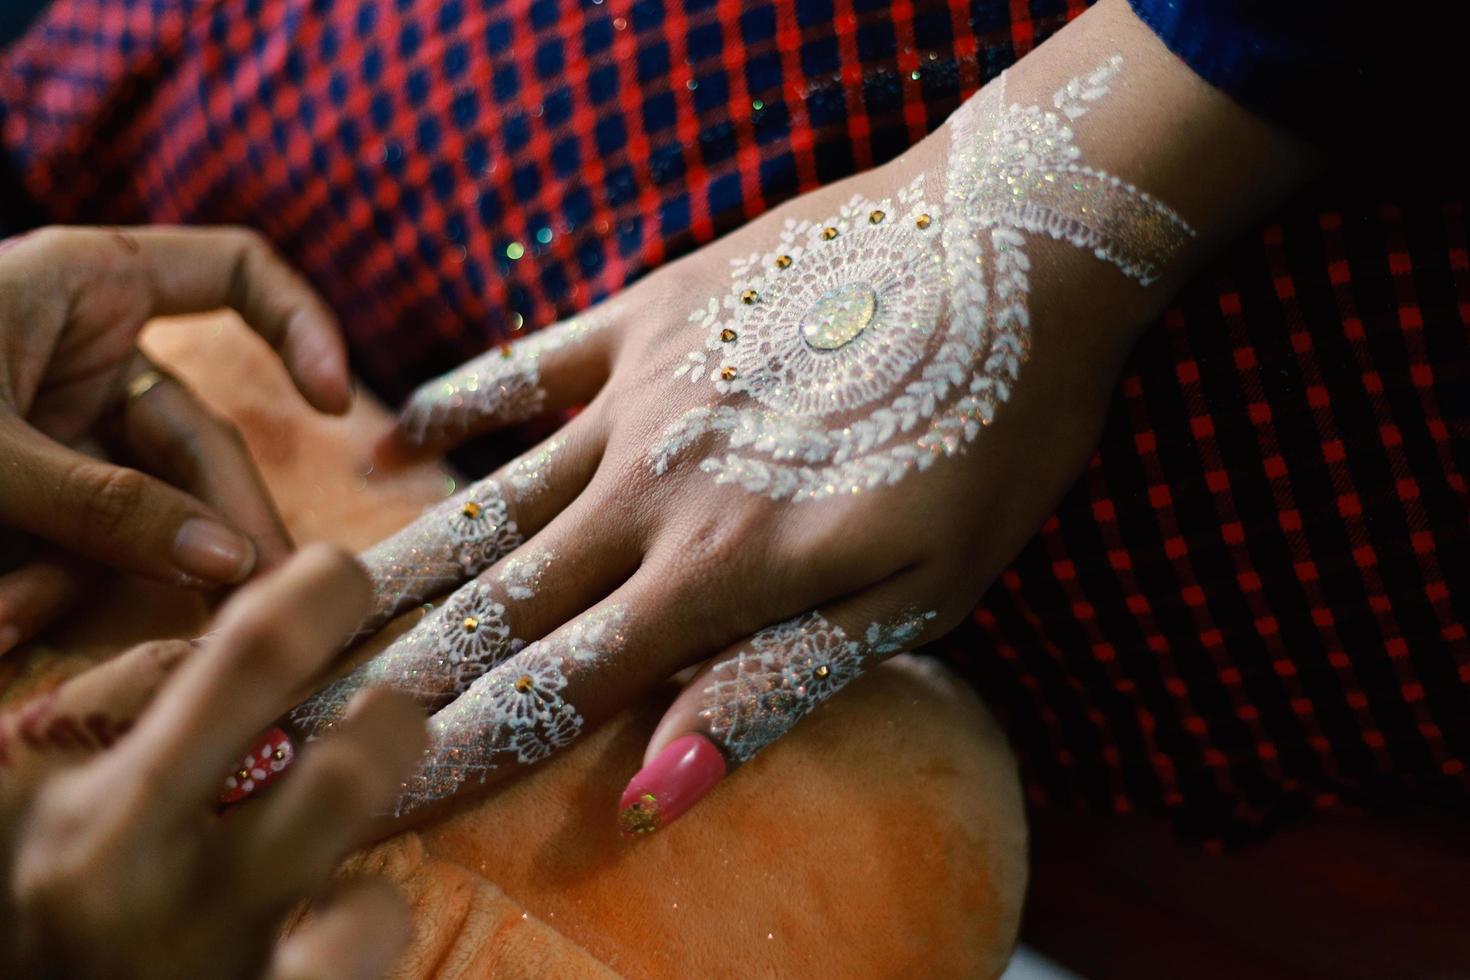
(451, 542)
(787, 670)
(517, 713)
(500, 387)
(441, 656)
(521, 575)
(869, 345)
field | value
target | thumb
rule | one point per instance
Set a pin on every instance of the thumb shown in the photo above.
(115, 515)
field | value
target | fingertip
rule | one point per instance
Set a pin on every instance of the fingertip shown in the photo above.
(10, 637)
(319, 361)
(681, 775)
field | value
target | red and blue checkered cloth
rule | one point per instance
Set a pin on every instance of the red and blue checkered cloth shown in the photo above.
(1250, 605)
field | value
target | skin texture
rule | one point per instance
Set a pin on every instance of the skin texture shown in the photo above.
(107, 837)
(699, 568)
(77, 397)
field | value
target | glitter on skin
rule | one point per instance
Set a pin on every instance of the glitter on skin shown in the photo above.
(517, 713)
(500, 387)
(939, 347)
(786, 670)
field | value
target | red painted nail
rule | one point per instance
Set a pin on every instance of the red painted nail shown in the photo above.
(261, 767)
(677, 778)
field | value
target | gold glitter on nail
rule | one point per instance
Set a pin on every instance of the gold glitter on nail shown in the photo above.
(783, 261)
(642, 816)
(829, 233)
(749, 297)
(727, 335)
(875, 217)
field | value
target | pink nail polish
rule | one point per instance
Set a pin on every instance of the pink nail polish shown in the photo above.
(677, 778)
(264, 764)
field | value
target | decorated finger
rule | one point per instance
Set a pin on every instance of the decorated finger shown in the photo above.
(556, 368)
(574, 562)
(292, 840)
(458, 539)
(753, 694)
(271, 639)
(540, 700)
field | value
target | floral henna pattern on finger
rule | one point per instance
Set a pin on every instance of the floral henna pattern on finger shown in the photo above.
(788, 669)
(500, 387)
(868, 345)
(452, 541)
(442, 655)
(517, 713)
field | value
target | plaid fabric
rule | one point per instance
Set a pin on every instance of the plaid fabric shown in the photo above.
(1251, 603)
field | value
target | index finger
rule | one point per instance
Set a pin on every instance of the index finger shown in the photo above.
(195, 270)
(272, 638)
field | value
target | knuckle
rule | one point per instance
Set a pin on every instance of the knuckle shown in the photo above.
(110, 497)
(261, 650)
(708, 546)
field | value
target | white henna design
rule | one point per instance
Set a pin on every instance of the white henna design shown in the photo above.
(517, 713)
(521, 574)
(787, 670)
(500, 387)
(868, 346)
(450, 542)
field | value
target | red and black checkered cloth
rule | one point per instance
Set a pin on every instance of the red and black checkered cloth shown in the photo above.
(1251, 604)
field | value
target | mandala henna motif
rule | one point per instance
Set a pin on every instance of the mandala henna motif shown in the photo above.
(869, 345)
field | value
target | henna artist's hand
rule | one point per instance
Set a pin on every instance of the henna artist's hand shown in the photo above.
(72, 301)
(113, 860)
(811, 444)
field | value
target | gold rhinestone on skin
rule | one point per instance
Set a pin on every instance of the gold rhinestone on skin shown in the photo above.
(783, 261)
(727, 372)
(829, 233)
(749, 297)
(471, 624)
(875, 217)
(923, 221)
(727, 335)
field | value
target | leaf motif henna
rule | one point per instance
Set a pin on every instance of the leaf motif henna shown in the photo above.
(864, 347)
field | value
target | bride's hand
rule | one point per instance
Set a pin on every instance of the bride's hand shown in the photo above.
(806, 447)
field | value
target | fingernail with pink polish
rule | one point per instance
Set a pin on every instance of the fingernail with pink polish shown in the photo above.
(263, 765)
(678, 777)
